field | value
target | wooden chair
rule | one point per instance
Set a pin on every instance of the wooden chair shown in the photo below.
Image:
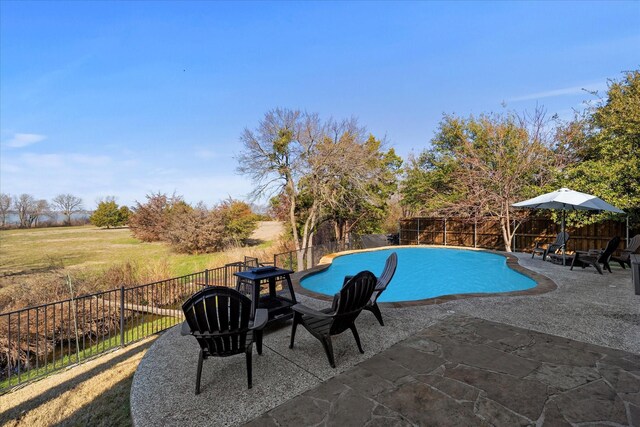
(603, 258)
(348, 303)
(625, 256)
(220, 319)
(545, 249)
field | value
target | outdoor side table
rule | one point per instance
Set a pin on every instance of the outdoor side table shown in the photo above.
(270, 288)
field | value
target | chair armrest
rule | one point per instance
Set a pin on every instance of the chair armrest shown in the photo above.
(303, 309)
(185, 329)
(260, 319)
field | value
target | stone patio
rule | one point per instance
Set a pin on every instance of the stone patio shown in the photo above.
(502, 360)
(468, 371)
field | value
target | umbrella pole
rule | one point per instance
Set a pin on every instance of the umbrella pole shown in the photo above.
(564, 242)
(627, 231)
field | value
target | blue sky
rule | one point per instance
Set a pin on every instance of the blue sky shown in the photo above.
(126, 98)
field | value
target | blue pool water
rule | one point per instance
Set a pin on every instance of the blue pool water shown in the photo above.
(425, 273)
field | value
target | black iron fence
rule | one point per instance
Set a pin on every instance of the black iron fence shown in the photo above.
(36, 341)
(301, 259)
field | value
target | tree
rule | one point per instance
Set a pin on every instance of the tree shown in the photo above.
(24, 206)
(150, 221)
(359, 191)
(276, 156)
(319, 170)
(67, 204)
(40, 208)
(196, 230)
(109, 214)
(604, 143)
(238, 219)
(5, 205)
(479, 167)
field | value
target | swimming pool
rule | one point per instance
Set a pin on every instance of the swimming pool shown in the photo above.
(424, 273)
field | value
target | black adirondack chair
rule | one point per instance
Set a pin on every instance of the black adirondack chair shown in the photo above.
(220, 319)
(348, 303)
(595, 260)
(383, 281)
(545, 249)
(625, 256)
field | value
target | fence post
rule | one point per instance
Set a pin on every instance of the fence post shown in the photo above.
(418, 231)
(445, 231)
(121, 315)
(275, 258)
(475, 232)
(206, 277)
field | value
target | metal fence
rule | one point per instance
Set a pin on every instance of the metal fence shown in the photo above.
(36, 341)
(312, 255)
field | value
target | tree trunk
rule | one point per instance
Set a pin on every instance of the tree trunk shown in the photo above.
(507, 233)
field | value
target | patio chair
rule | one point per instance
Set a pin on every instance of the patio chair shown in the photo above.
(625, 256)
(545, 249)
(348, 303)
(220, 319)
(383, 281)
(603, 257)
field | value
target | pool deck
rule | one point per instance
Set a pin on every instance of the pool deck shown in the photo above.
(567, 356)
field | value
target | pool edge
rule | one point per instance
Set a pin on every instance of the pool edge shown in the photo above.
(543, 283)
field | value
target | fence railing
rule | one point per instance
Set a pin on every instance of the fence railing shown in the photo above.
(311, 256)
(36, 341)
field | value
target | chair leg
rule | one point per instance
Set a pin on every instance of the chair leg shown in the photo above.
(607, 266)
(328, 348)
(357, 337)
(595, 264)
(294, 325)
(376, 312)
(248, 352)
(199, 374)
(258, 341)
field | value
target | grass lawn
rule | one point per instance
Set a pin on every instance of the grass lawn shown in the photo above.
(97, 391)
(32, 250)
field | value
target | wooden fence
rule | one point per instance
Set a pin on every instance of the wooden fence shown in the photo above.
(487, 233)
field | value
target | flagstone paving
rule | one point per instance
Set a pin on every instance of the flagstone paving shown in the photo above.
(469, 371)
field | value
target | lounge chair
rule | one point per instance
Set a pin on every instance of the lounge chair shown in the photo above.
(625, 256)
(348, 303)
(220, 319)
(584, 260)
(545, 249)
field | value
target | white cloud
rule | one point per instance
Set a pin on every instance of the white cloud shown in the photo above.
(575, 90)
(20, 140)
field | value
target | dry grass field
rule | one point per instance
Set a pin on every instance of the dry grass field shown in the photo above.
(95, 393)
(34, 263)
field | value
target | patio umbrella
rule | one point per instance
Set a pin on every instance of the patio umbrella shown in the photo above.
(567, 200)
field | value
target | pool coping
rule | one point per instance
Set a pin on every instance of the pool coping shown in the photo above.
(543, 283)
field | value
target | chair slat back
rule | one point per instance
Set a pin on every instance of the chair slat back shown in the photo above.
(634, 244)
(352, 298)
(388, 272)
(609, 250)
(562, 238)
(219, 319)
